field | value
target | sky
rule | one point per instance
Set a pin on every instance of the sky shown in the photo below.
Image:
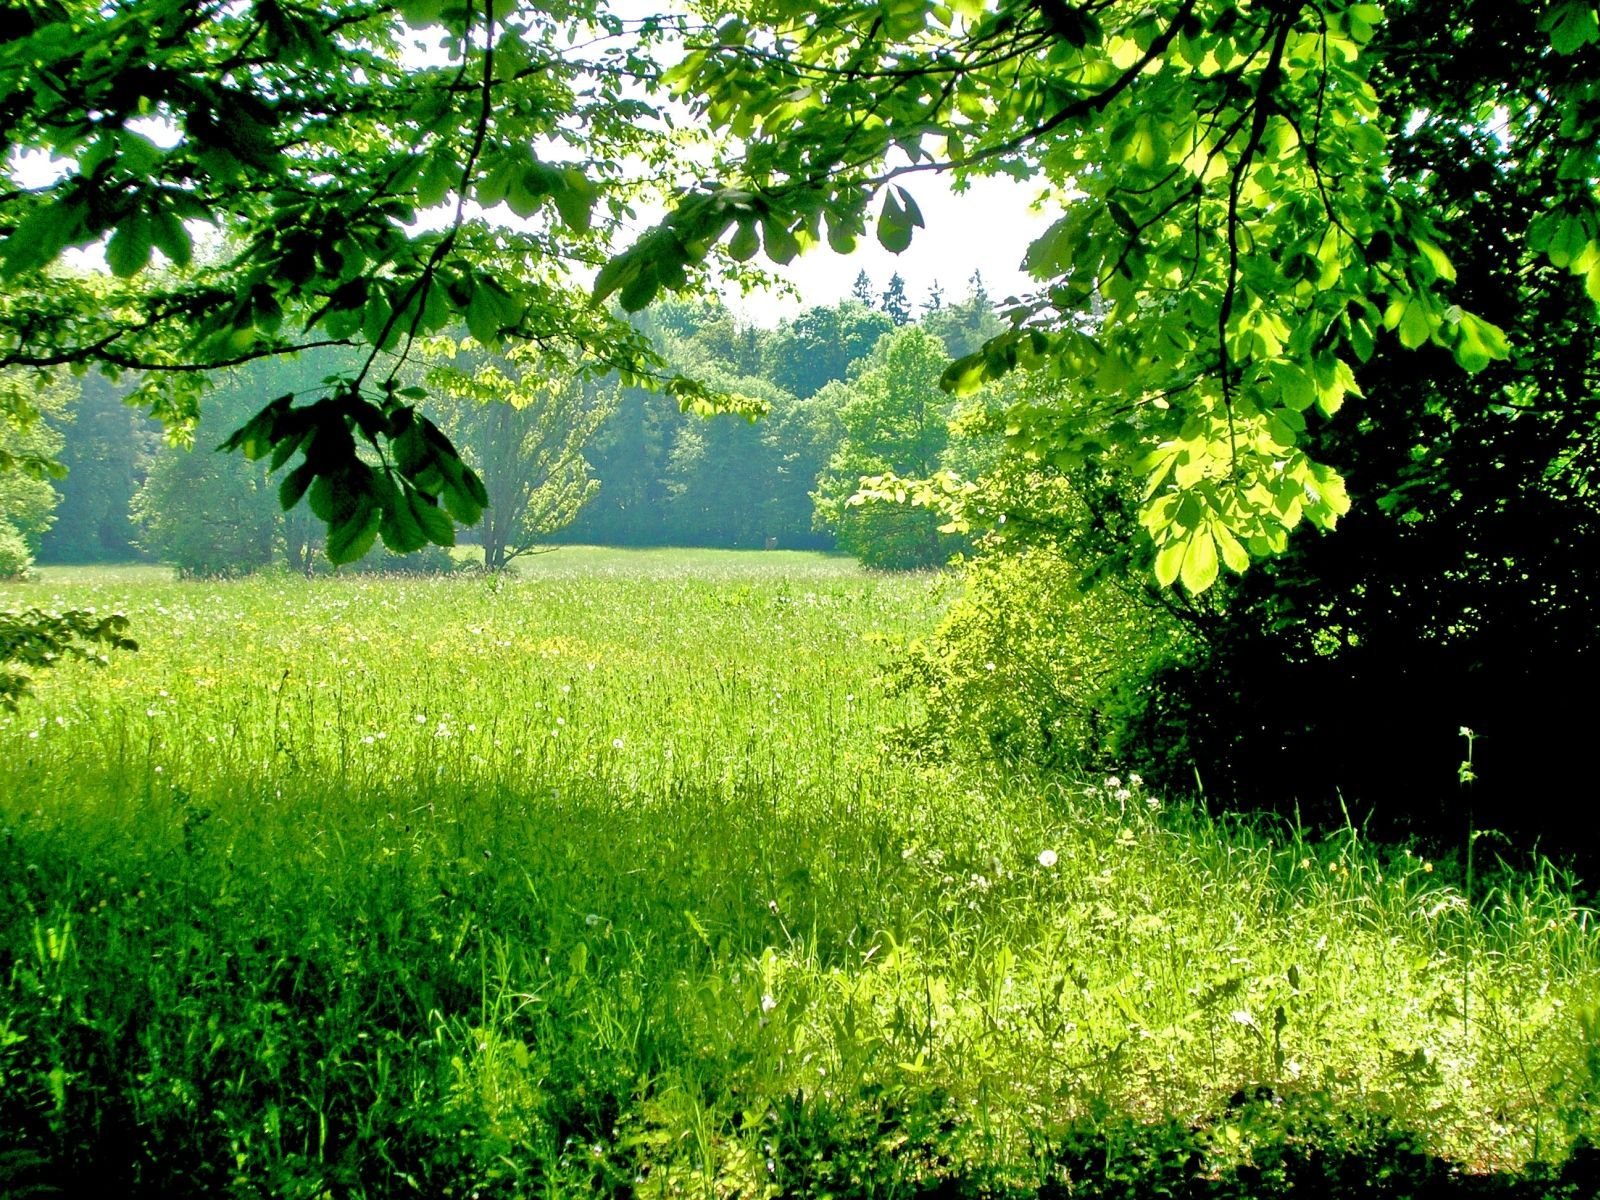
(986, 228)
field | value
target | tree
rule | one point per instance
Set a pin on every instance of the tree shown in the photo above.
(32, 407)
(819, 345)
(1234, 231)
(861, 290)
(357, 186)
(108, 448)
(203, 514)
(1335, 679)
(1460, 590)
(935, 301)
(1238, 245)
(525, 433)
(895, 420)
(896, 304)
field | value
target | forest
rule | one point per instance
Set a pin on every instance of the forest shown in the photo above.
(479, 716)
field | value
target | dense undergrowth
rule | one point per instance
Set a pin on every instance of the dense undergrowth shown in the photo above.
(600, 880)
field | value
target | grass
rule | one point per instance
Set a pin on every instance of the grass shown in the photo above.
(599, 879)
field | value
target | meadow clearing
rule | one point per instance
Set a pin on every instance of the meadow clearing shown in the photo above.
(605, 878)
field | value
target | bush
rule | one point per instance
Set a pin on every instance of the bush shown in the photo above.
(430, 560)
(1037, 663)
(16, 560)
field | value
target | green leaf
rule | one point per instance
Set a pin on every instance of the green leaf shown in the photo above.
(1200, 561)
(574, 198)
(1234, 556)
(435, 522)
(352, 537)
(782, 246)
(1572, 26)
(894, 225)
(293, 485)
(1170, 561)
(399, 527)
(1436, 259)
(129, 250)
(1478, 343)
(171, 237)
(743, 245)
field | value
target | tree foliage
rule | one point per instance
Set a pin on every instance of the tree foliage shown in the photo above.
(1334, 679)
(34, 405)
(1235, 241)
(894, 420)
(525, 433)
(360, 163)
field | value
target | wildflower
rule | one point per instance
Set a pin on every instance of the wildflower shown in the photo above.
(592, 919)
(616, 743)
(768, 1002)
(1047, 858)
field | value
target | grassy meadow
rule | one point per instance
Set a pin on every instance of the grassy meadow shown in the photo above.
(603, 879)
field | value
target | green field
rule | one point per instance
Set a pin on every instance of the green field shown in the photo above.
(606, 878)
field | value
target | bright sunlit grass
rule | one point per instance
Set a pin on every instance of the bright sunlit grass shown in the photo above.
(600, 877)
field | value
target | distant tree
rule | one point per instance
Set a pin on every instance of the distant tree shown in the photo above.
(964, 327)
(820, 344)
(525, 433)
(861, 289)
(108, 449)
(935, 300)
(209, 515)
(895, 419)
(896, 304)
(629, 455)
(723, 475)
(803, 435)
(33, 407)
(977, 293)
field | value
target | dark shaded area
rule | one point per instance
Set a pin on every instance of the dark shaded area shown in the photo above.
(1461, 589)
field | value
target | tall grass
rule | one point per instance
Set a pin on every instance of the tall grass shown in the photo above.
(600, 878)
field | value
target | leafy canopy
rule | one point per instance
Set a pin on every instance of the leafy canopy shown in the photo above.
(273, 176)
(1233, 240)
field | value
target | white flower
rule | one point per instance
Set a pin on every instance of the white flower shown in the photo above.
(616, 743)
(1047, 858)
(768, 1003)
(592, 919)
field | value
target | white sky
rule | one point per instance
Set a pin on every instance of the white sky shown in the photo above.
(986, 228)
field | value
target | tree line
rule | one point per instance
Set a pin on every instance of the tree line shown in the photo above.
(847, 390)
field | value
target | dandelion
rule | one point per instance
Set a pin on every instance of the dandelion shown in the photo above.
(1047, 858)
(616, 743)
(593, 919)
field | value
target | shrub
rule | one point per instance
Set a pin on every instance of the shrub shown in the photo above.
(1037, 663)
(16, 560)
